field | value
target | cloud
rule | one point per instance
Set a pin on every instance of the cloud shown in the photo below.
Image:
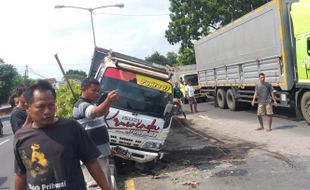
(33, 31)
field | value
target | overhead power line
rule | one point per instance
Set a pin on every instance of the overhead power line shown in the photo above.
(137, 15)
(35, 73)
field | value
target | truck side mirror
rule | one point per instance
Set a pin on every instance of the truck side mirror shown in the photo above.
(168, 114)
(168, 109)
(308, 46)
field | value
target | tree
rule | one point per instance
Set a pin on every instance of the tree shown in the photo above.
(65, 100)
(9, 78)
(187, 56)
(172, 59)
(191, 20)
(76, 75)
(156, 57)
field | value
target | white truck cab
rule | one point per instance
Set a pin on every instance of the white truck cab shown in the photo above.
(139, 122)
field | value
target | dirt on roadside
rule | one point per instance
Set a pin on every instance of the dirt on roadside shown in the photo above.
(214, 151)
(186, 147)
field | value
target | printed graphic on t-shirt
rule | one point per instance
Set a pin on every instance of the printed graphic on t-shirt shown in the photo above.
(37, 164)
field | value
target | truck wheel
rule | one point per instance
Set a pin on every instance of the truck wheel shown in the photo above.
(221, 98)
(305, 106)
(231, 100)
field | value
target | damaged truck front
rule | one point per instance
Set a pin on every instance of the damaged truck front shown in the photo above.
(139, 122)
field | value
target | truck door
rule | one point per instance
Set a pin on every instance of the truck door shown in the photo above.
(300, 14)
(303, 58)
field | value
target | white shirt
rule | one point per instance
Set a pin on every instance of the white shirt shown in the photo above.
(190, 90)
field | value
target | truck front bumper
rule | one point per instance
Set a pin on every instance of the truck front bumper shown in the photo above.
(139, 155)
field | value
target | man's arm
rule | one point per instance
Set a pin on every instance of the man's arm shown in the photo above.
(20, 182)
(186, 92)
(103, 108)
(274, 97)
(97, 173)
(254, 97)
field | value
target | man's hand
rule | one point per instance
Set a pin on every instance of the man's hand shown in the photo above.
(103, 108)
(275, 103)
(112, 152)
(112, 96)
(98, 174)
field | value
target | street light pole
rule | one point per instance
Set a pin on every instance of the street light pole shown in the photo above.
(90, 10)
(93, 27)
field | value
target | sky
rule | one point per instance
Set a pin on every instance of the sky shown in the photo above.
(33, 31)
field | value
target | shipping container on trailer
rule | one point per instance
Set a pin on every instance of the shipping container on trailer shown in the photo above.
(273, 39)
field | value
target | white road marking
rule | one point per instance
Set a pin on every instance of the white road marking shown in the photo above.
(7, 140)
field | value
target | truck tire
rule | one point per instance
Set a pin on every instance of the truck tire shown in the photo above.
(231, 100)
(221, 98)
(305, 106)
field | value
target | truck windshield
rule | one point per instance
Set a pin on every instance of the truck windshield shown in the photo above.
(137, 93)
(193, 78)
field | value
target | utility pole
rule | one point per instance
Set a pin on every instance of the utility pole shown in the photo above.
(26, 74)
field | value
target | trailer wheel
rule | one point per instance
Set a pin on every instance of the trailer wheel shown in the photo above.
(305, 106)
(231, 100)
(221, 98)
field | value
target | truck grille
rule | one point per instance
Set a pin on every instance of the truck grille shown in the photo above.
(125, 141)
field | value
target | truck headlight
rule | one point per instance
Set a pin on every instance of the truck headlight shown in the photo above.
(151, 145)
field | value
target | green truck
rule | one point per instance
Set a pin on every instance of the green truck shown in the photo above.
(273, 39)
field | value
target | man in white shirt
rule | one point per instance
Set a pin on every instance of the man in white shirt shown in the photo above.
(190, 95)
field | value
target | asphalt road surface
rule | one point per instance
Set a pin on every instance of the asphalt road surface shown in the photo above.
(197, 159)
(201, 160)
(6, 158)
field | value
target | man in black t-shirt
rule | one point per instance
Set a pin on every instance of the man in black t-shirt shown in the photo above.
(19, 115)
(48, 151)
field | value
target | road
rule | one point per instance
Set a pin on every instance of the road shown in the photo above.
(6, 158)
(214, 149)
(219, 149)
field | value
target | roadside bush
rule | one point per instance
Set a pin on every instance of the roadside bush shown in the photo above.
(65, 100)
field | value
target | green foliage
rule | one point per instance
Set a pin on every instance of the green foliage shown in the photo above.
(65, 99)
(191, 20)
(186, 56)
(9, 78)
(76, 75)
(185, 162)
(172, 59)
(156, 57)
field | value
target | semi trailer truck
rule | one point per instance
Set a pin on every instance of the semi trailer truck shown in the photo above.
(273, 39)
